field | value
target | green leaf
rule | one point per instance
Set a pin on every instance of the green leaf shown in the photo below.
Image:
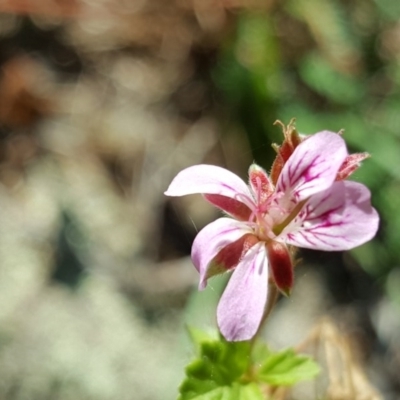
(199, 336)
(220, 364)
(260, 353)
(250, 392)
(286, 368)
(234, 370)
(234, 392)
(219, 393)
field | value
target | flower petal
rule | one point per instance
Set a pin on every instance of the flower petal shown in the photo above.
(313, 166)
(211, 240)
(242, 304)
(210, 179)
(340, 218)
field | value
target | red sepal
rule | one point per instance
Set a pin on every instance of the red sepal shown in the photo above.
(260, 183)
(281, 266)
(350, 165)
(231, 206)
(230, 256)
(285, 150)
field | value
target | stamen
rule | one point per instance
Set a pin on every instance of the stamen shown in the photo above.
(280, 227)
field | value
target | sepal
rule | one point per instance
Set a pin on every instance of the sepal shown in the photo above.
(260, 183)
(230, 255)
(233, 207)
(291, 140)
(350, 165)
(281, 266)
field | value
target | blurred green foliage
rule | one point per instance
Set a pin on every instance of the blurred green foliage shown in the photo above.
(332, 65)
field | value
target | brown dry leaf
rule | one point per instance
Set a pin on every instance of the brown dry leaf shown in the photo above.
(343, 377)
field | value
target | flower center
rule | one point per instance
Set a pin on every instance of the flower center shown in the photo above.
(272, 216)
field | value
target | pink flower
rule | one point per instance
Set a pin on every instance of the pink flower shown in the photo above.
(307, 208)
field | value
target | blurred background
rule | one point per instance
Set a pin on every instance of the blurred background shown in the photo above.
(102, 102)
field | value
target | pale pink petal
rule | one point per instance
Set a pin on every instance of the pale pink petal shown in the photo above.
(340, 218)
(313, 166)
(242, 304)
(210, 179)
(211, 239)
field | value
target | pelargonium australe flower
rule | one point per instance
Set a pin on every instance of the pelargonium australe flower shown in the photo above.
(307, 207)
